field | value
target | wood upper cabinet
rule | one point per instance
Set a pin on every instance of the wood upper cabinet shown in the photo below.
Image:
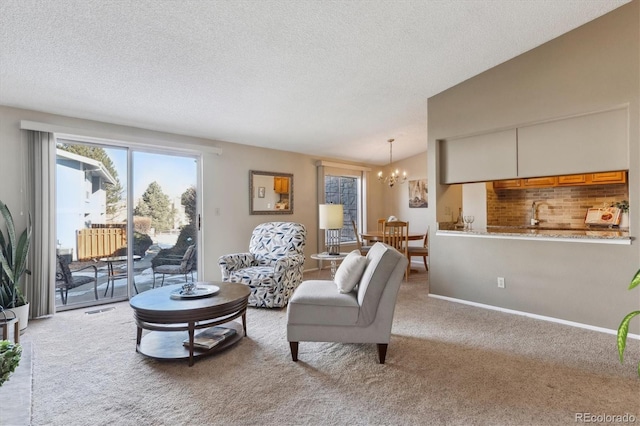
(603, 178)
(281, 185)
(609, 177)
(593, 178)
(540, 182)
(569, 180)
(508, 183)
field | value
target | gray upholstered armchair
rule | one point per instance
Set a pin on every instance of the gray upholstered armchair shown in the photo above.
(273, 266)
(326, 311)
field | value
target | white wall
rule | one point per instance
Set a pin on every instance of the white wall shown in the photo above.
(395, 201)
(474, 203)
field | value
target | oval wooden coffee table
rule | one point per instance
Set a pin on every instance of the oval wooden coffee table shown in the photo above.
(171, 321)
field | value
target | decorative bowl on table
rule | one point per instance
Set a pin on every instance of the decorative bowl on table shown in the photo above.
(195, 291)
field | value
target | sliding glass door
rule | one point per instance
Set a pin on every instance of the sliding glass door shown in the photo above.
(124, 222)
(165, 214)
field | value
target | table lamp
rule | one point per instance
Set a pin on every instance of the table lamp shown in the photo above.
(331, 220)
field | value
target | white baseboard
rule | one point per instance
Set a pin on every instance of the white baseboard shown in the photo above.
(536, 316)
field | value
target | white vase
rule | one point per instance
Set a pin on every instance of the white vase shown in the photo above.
(22, 313)
(624, 220)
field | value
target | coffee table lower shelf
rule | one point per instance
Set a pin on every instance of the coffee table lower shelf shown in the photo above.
(167, 345)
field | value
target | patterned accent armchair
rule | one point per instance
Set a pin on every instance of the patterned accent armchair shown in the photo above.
(273, 266)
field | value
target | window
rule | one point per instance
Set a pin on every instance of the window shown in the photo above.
(344, 190)
(96, 184)
(345, 184)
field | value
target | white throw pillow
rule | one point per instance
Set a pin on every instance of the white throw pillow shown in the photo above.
(350, 271)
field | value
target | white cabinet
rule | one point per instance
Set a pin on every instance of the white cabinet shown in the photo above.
(588, 143)
(490, 156)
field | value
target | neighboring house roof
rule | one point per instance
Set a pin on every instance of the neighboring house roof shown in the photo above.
(93, 165)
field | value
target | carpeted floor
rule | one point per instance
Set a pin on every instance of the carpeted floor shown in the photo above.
(447, 364)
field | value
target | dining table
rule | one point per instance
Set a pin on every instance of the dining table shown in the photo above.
(375, 236)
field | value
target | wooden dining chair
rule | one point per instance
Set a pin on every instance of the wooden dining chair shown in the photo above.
(362, 249)
(396, 234)
(421, 251)
(381, 223)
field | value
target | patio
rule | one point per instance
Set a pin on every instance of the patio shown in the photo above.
(143, 276)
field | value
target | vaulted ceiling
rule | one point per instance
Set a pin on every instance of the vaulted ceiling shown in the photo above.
(325, 78)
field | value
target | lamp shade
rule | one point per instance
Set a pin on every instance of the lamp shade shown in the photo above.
(331, 216)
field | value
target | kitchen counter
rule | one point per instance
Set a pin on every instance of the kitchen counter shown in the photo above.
(582, 235)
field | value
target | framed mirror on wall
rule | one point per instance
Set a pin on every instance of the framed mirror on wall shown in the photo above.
(270, 192)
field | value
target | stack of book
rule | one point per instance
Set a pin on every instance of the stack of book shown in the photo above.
(210, 337)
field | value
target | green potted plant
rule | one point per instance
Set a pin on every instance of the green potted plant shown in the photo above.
(624, 212)
(623, 329)
(9, 359)
(13, 258)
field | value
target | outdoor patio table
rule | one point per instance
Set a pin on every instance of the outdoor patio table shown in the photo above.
(112, 276)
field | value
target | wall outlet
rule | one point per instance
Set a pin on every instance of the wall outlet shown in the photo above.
(500, 282)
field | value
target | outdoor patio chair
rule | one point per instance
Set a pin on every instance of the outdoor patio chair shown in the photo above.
(65, 278)
(176, 265)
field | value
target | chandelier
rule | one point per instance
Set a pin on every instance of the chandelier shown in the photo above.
(394, 177)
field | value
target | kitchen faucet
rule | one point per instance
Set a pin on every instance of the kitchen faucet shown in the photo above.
(534, 208)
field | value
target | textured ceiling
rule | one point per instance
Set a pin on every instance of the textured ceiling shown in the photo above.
(326, 78)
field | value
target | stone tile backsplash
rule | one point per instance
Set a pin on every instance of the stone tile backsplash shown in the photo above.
(556, 206)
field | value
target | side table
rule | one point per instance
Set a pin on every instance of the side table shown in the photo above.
(334, 258)
(5, 323)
